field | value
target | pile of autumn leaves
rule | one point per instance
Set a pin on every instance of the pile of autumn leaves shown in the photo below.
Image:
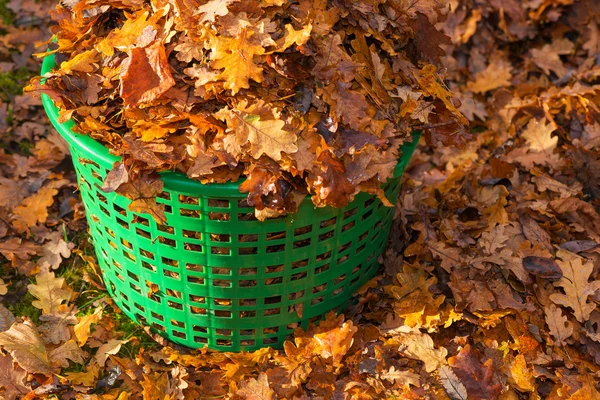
(308, 97)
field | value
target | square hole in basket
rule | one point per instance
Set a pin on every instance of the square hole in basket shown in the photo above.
(134, 287)
(129, 256)
(248, 271)
(337, 291)
(138, 219)
(222, 313)
(188, 200)
(147, 254)
(126, 244)
(367, 215)
(166, 229)
(174, 293)
(116, 264)
(123, 224)
(133, 276)
(274, 268)
(200, 329)
(324, 256)
(157, 316)
(273, 281)
(319, 288)
(143, 233)
(248, 314)
(350, 213)
(302, 243)
(195, 280)
(339, 279)
(247, 251)
(194, 267)
(322, 269)
(317, 300)
(247, 302)
(248, 283)
(170, 262)
(276, 248)
(328, 222)
(221, 283)
(247, 342)
(273, 300)
(326, 235)
(200, 339)
(179, 334)
(198, 310)
(105, 211)
(296, 295)
(342, 259)
(178, 324)
(223, 332)
(219, 216)
(222, 302)
(218, 203)
(369, 201)
(344, 247)
(198, 299)
(220, 271)
(247, 332)
(191, 234)
(360, 248)
(272, 311)
(167, 242)
(224, 342)
(220, 237)
(275, 235)
(193, 247)
(148, 266)
(171, 274)
(300, 263)
(248, 237)
(226, 251)
(303, 230)
(175, 305)
(298, 276)
(348, 226)
(269, 341)
(271, 331)
(186, 212)
(139, 307)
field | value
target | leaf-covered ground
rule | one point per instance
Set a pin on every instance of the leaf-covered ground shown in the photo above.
(489, 289)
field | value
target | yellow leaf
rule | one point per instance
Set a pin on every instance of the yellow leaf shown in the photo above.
(521, 375)
(50, 292)
(111, 347)
(292, 36)
(67, 351)
(430, 82)
(419, 346)
(34, 208)
(497, 74)
(82, 329)
(86, 378)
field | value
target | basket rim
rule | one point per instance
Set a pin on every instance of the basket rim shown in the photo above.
(176, 181)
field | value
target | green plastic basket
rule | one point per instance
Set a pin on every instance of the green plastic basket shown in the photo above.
(215, 276)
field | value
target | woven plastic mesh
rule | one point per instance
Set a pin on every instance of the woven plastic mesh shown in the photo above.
(215, 276)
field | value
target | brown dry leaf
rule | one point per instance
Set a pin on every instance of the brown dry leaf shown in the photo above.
(54, 251)
(453, 386)
(85, 378)
(23, 342)
(34, 209)
(538, 135)
(560, 328)
(477, 378)
(576, 285)
(67, 351)
(112, 347)
(12, 379)
(50, 292)
(548, 57)
(521, 375)
(497, 74)
(143, 192)
(213, 9)
(335, 343)
(256, 389)
(420, 346)
(6, 318)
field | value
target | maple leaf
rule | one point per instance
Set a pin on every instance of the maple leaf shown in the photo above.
(575, 284)
(12, 379)
(235, 56)
(560, 328)
(497, 74)
(256, 389)
(548, 57)
(50, 292)
(23, 342)
(145, 75)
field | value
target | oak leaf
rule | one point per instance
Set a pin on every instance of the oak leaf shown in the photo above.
(67, 351)
(256, 389)
(82, 328)
(50, 292)
(538, 135)
(235, 56)
(34, 208)
(334, 344)
(213, 9)
(521, 375)
(54, 251)
(6, 318)
(560, 327)
(477, 378)
(420, 346)
(497, 74)
(85, 378)
(576, 286)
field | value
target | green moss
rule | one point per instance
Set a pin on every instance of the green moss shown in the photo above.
(7, 16)
(132, 329)
(12, 82)
(24, 308)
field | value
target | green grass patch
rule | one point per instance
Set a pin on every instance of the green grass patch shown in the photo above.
(12, 82)
(6, 15)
